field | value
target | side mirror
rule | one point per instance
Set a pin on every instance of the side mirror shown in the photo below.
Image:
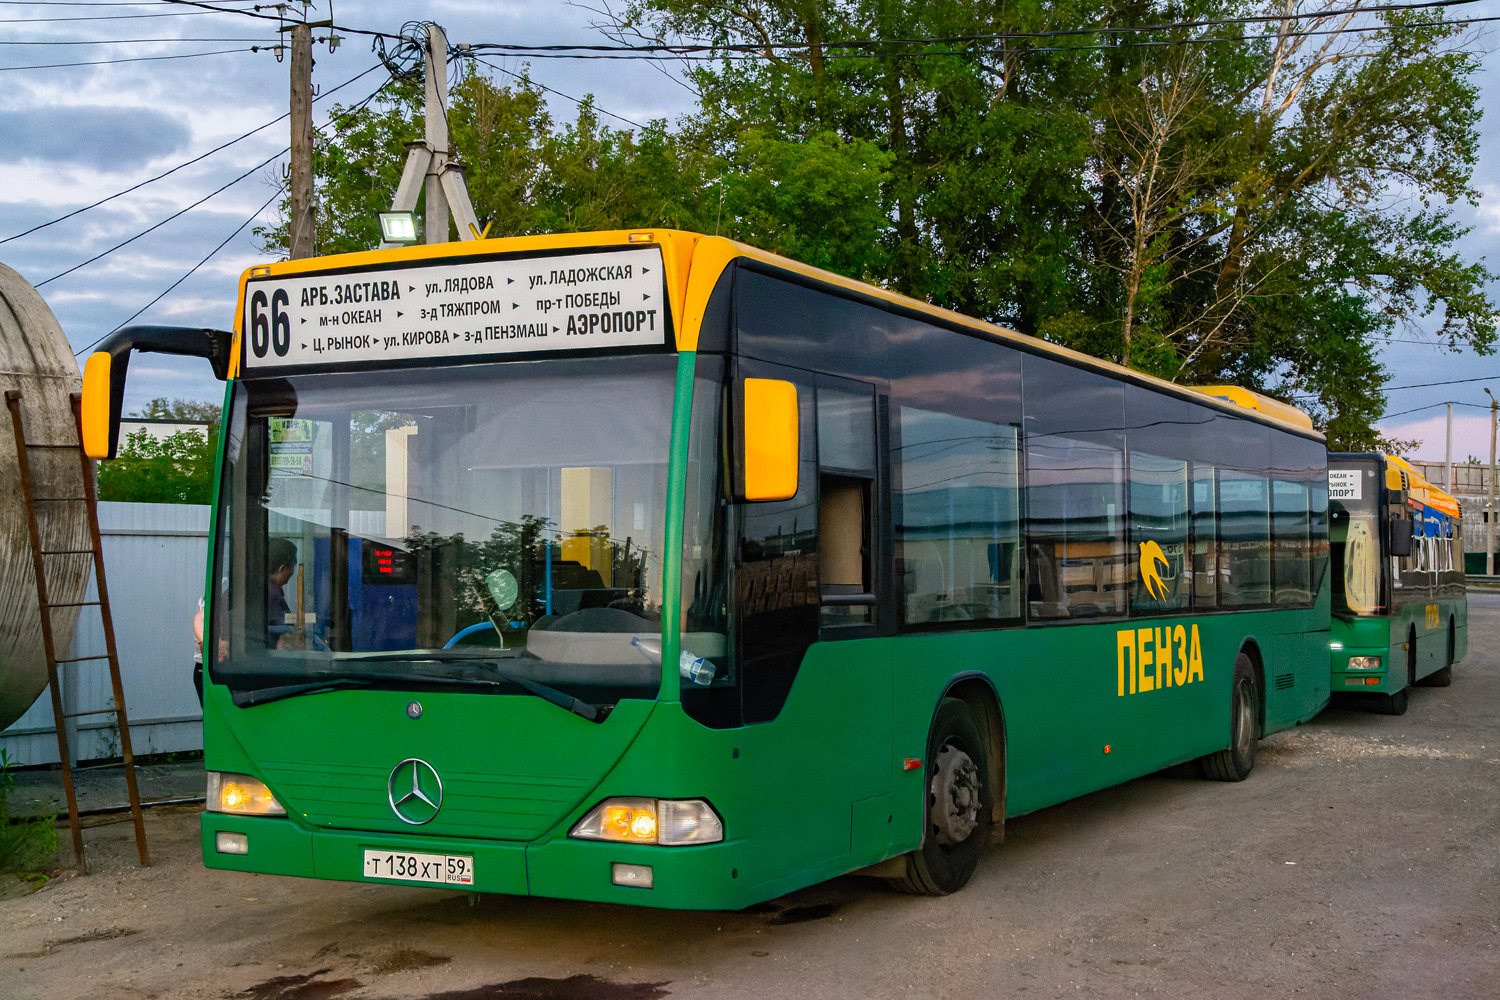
(1401, 537)
(769, 444)
(104, 374)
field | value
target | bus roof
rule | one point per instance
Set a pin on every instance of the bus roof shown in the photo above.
(1418, 487)
(694, 262)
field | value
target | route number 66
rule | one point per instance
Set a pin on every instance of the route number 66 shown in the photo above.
(273, 331)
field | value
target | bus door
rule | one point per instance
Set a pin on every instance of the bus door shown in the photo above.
(808, 620)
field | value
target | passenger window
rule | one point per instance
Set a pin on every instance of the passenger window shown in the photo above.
(1159, 531)
(958, 522)
(1293, 543)
(844, 550)
(1076, 564)
(1244, 539)
(846, 459)
(1205, 568)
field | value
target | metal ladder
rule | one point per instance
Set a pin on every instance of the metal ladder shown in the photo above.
(38, 561)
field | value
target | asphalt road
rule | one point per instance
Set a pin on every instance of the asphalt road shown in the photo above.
(1358, 860)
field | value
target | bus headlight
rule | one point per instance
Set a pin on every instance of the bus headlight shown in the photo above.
(1364, 663)
(670, 822)
(240, 794)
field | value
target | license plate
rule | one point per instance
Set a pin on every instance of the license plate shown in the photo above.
(435, 869)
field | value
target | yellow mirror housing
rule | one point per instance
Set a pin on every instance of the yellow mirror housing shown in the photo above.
(101, 420)
(770, 439)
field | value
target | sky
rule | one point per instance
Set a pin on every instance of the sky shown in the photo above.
(71, 135)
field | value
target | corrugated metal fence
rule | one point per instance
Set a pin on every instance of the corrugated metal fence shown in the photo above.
(154, 558)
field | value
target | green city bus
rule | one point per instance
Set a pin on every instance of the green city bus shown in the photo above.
(652, 568)
(1400, 610)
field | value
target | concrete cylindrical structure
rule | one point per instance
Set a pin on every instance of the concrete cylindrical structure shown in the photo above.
(35, 358)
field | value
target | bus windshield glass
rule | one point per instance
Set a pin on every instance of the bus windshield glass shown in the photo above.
(494, 525)
(1354, 489)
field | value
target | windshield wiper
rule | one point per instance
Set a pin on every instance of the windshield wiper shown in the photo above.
(563, 700)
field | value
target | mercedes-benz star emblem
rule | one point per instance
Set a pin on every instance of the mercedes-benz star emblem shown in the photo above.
(415, 791)
(414, 710)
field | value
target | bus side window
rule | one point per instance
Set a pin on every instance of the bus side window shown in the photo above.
(958, 523)
(1158, 531)
(1205, 537)
(1075, 492)
(1292, 553)
(1245, 579)
(846, 458)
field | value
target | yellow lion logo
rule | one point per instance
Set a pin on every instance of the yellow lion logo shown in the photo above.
(1151, 555)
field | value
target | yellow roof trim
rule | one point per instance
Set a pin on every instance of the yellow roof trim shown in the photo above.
(1264, 405)
(1419, 487)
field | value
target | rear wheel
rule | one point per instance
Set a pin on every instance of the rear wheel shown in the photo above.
(1234, 764)
(957, 808)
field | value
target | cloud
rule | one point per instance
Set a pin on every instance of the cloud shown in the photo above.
(1471, 436)
(104, 138)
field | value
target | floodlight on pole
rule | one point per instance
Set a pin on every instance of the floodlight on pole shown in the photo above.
(398, 227)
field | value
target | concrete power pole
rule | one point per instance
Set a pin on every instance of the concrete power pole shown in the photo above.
(1489, 514)
(1448, 455)
(437, 133)
(301, 224)
(429, 170)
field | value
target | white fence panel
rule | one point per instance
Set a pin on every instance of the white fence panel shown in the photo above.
(154, 559)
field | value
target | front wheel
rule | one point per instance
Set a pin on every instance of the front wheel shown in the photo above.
(958, 805)
(1234, 764)
(1442, 678)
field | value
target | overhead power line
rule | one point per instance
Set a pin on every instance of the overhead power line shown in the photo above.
(665, 50)
(196, 159)
(543, 86)
(104, 17)
(237, 230)
(135, 41)
(132, 59)
(1452, 381)
(163, 222)
(276, 194)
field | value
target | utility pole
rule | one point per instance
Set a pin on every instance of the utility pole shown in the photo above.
(1448, 455)
(429, 169)
(437, 133)
(1489, 513)
(300, 223)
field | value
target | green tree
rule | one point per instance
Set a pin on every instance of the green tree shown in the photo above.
(175, 469)
(186, 410)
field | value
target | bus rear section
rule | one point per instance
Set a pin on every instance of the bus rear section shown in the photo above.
(1400, 614)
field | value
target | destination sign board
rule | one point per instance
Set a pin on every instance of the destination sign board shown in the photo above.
(453, 311)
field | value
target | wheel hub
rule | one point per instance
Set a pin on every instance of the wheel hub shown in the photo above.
(955, 796)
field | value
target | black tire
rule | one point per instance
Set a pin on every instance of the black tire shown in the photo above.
(1393, 704)
(958, 763)
(1442, 678)
(1234, 763)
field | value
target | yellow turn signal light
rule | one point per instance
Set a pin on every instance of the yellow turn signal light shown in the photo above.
(240, 794)
(670, 822)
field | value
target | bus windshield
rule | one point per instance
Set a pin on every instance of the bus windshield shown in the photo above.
(499, 525)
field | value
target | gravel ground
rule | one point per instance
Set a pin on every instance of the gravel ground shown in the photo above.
(1359, 860)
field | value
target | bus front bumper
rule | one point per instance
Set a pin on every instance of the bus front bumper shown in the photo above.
(711, 876)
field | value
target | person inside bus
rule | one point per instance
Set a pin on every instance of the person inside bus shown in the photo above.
(281, 563)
